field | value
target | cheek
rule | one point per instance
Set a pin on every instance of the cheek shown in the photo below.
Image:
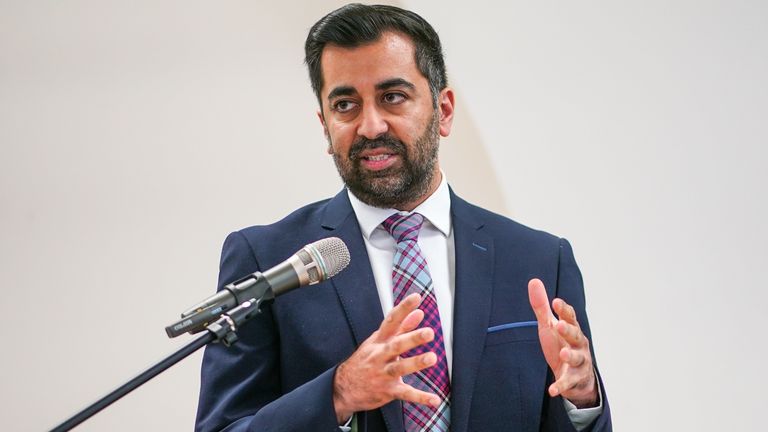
(340, 138)
(406, 131)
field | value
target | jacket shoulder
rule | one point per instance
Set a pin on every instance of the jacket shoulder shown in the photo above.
(270, 244)
(502, 227)
(283, 229)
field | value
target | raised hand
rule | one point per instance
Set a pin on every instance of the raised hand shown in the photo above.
(372, 376)
(565, 347)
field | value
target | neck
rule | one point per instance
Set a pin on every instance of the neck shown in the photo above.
(409, 206)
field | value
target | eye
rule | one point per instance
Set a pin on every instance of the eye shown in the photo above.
(394, 98)
(343, 106)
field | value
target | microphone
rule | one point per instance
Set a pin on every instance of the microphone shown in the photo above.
(312, 264)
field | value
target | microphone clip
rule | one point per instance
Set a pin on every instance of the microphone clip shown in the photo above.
(225, 328)
(227, 303)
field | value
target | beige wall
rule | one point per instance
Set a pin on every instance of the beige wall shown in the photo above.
(135, 135)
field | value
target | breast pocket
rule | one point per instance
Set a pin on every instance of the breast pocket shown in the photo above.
(510, 381)
(523, 331)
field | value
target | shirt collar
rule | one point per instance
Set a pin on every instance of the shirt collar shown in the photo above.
(436, 209)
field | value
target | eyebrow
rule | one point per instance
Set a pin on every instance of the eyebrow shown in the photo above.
(395, 82)
(384, 85)
(341, 91)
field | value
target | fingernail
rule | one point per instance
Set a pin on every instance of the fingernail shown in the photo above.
(430, 359)
(435, 402)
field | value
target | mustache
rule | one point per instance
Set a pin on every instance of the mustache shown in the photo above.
(388, 142)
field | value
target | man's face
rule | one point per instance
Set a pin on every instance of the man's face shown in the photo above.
(382, 128)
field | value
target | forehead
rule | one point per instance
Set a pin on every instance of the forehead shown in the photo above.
(362, 67)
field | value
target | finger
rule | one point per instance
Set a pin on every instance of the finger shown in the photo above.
(567, 382)
(554, 388)
(571, 334)
(537, 295)
(411, 321)
(574, 358)
(396, 316)
(410, 394)
(400, 344)
(410, 365)
(565, 311)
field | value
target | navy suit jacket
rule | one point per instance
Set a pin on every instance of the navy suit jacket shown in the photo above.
(279, 375)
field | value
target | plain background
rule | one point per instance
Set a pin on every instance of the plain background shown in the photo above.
(134, 136)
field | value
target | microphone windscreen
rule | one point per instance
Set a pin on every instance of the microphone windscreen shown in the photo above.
(333, 254)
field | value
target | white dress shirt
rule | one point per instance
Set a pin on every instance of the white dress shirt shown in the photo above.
(436, 243)
(437, 246)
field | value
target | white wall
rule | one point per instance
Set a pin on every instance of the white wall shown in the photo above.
(135, 135)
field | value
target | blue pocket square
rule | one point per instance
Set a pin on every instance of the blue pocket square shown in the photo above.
(512, 325)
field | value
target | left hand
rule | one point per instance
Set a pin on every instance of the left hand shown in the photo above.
(565, 347)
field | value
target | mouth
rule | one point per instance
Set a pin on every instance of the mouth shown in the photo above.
(377, 156)
(378, 160)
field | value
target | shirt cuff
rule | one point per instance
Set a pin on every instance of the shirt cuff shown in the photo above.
(583, 417)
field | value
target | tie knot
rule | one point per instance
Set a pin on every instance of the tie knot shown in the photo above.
(404, 227)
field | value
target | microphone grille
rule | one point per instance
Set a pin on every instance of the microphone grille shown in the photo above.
(334, 255)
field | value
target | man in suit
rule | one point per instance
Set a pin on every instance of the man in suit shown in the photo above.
(442, 321)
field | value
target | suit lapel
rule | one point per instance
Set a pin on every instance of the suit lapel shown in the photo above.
(472, 305)
(356, 287)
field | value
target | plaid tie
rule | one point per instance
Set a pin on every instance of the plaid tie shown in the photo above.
(411, 275)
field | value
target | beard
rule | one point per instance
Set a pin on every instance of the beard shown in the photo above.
(397, 185)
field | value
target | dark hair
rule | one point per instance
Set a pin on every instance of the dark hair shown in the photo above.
(357, 24)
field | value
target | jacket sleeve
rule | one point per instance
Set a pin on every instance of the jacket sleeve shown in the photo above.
(241, 387)
(570, 287)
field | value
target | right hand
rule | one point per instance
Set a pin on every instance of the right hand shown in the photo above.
(372, 376)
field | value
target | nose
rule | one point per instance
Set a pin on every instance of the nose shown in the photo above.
(372, 123)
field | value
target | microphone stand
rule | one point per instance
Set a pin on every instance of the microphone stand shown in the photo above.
(222, 330)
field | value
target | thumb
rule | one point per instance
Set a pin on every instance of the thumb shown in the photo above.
(537, 295)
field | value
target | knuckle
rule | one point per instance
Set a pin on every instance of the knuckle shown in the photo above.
(566, 383)
(580, 339)
(577, 332)
(580, 385)
(580, 360)
(401, 392)
(393, 346)
(570, 330)
(428, 359)
(392, 370)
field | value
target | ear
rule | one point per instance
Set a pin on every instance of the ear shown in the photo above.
(445, 104)
(325, 131)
